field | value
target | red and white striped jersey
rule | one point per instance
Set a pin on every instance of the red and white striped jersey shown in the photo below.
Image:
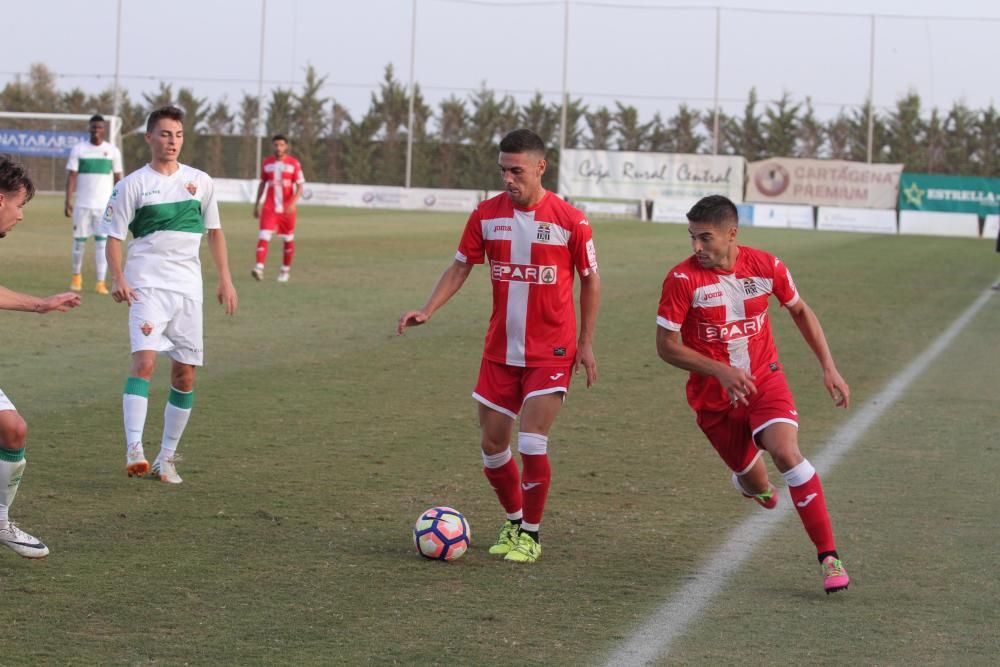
(280, 175)
(532, 255)
(724, 316)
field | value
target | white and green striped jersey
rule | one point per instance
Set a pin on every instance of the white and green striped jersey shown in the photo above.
(95, 167)
(167, 216)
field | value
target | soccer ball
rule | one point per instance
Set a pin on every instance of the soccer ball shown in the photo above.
(441, 533)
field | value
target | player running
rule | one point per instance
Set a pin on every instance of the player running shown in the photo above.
(16, 190)
(93, 169)
(713, 322)
(534, 242)
(281, 176)
(167, 206)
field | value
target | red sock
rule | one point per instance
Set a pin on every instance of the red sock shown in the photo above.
(505, 480)
(261, 251)
(811, 505)
(535, 485)
(286, 260)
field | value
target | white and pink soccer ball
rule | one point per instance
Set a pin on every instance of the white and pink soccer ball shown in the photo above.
(441, 533)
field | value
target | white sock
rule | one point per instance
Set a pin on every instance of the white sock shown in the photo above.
(175, 419)
(10, 480)
(79, 245)
(134, 407)
(100, 259)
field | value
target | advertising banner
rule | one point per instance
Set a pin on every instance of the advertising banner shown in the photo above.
(359, 196)
(935, 223)
(39, 143)
(869, 220)
(955, 194)
(781, 215)
(823, 183)
(630, 175)
(672, 209)
(991, 229)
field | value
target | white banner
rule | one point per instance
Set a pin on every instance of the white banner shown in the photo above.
(870, 220)
(938, 223)
(612, 209)
(360, 196)
(991, 228)
(629, 175)
(673, 209)
(823, 183)
(782, 215)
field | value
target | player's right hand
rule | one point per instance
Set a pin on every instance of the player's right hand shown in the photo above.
(68, 210)
(410, 318)
(121, 292)
(256, 212)
(737, 383)
(61, 302)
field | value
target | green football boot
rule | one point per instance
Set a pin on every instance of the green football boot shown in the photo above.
(507, 539)
(527, 550)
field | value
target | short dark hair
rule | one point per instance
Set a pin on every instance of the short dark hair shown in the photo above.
(96, 118)
(714, 209)
(522, 141)
(14, 177)
(279, 137)
(169, 111)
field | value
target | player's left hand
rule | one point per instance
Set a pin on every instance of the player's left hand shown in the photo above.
(61, 302)
(585, 357)
(839, 391)
(227, 297)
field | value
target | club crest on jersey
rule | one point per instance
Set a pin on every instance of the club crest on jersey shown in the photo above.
(191, 187)
(750, 287)
(544, 231)
(523, 273)
(146, 328)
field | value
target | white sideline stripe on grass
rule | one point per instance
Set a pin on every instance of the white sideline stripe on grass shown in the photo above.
(652, 640)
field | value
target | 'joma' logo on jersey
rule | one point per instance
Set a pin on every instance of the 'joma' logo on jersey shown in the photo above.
(502, 228)
(523, 273)
(723, 333)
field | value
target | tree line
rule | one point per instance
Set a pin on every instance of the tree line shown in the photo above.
(454, 143)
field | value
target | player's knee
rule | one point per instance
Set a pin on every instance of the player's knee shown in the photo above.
(13, 430)
(182, 377)
(786, 458)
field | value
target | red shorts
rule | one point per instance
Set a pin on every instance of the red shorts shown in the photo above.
(282, 223)
(732, 432)
(505, 388)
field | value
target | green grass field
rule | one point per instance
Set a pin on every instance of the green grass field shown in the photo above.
(318, 436)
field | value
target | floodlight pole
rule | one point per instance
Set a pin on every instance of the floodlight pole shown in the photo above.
(718, 49)
(260, 82)
(116, 94)
(413, 90)
(565, 83)
(871, 93)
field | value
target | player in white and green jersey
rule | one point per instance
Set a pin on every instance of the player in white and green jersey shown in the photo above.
(92, 170)
(167, 206)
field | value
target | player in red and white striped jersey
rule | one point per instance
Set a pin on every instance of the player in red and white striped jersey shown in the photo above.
(534, 243)
(281, 178)
(713, 321)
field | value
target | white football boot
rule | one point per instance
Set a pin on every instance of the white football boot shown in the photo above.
(21, 542)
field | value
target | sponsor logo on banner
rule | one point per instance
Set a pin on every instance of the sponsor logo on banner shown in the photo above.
(723, 333)
(40, 143)
(949, 194)
(823, 183)
(633, 175)
(523, 273)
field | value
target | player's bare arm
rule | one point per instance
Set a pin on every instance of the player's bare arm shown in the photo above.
(450, 282)
(296, 193)
(70, 190)
(256, 201)
(226, 292)
(11, 300)
(590, 303)
(121, 292)
(807, 322)
(737, 383)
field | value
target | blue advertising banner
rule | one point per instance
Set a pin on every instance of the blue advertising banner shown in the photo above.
(39, 143)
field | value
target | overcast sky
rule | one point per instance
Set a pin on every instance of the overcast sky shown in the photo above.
(641, 52)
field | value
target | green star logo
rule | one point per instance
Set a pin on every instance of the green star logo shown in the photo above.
(914, 195)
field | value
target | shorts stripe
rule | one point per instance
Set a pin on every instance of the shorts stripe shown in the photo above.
(493, 406)
(773, 421)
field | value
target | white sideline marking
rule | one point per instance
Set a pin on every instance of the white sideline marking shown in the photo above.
(651, 641)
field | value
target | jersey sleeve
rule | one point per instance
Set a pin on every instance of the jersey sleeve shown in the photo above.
(73, 163)
(120, 211)
(582, 249)
(116, 161)
(675, 301)
(471, 248)
(784, 287)
(299, 176)
(210, 206)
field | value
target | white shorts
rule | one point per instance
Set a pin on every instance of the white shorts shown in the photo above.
(5, 403)
(165, 321)
(85, 222)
